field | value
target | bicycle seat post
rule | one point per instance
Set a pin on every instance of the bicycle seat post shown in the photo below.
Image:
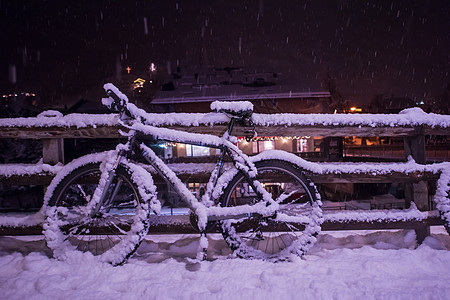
(231, 126)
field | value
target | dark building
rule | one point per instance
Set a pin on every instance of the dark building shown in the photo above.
(193, 91)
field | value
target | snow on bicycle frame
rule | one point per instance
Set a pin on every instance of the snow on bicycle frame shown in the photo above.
(133, 118)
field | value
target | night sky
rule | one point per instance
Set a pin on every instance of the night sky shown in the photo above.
(61, 49)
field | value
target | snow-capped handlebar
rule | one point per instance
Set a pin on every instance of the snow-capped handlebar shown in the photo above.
(118, 104)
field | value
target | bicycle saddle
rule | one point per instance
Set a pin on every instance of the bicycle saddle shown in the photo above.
(238, 109)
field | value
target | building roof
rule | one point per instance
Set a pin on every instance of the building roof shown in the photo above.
(227, 84)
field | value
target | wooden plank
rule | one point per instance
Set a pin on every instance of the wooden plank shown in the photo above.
(415, 147)
(53, 151)
(23, 230)
(158, 226)
(59, 132)
(360, 225)
(335, 131)
(28, 179)
(371, 178)
(306, 130)
(422, 231)
(102, 131)
(436, 130)
(45, 178)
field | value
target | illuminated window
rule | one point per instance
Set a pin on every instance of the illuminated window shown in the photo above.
(192, 150)
(269, 145)
(255, 146)
(317, 145)
(302, 145)
(260, 146)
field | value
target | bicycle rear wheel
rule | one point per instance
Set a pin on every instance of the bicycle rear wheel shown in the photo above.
(292, 230)
(113, 234)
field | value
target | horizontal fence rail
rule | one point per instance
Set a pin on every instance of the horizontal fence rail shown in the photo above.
(106, 125)
(42, 174)
(181, 225)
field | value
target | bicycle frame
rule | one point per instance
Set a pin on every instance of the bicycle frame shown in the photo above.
(204, 209)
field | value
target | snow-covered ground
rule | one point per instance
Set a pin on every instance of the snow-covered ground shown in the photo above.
(342, 265)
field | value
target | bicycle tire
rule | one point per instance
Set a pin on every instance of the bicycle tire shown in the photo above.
(112, 236)
(274, 238)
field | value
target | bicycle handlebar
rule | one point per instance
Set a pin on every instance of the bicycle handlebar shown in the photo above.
(119, 104)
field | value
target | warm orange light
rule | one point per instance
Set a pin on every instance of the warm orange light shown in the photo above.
(138, 83)
(355, 109)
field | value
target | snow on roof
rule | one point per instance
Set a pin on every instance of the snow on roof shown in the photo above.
(229, 84)
(233, 96)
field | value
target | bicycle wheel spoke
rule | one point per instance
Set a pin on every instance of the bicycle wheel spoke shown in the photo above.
(290, 195)
(267, 243)
(110, 243)
(101, 246)
(83, 193)
(278, 243)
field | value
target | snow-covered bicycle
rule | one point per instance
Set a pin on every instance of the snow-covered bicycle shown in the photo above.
(101, 203)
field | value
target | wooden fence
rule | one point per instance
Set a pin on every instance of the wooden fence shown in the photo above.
(53, 134)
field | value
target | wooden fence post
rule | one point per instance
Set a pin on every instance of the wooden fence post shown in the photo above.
(53, 151)
(417, 192)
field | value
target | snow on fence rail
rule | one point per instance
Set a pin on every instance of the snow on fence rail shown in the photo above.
(411, 124)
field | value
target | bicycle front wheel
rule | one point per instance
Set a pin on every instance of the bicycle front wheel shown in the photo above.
(113, 233)
(292, 230)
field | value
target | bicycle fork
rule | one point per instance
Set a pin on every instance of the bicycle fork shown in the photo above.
(105, 200)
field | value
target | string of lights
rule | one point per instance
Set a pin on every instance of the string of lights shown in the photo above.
(273, 138)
